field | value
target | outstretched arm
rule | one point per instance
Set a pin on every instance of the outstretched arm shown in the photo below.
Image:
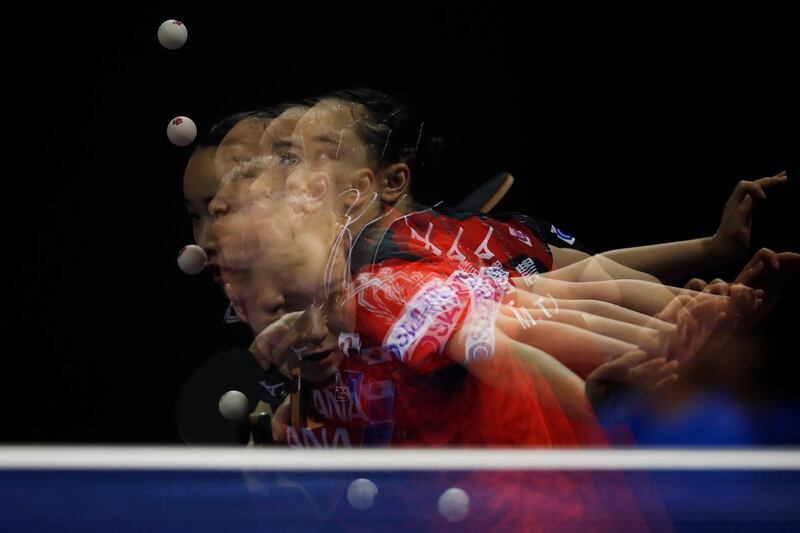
(674, 260)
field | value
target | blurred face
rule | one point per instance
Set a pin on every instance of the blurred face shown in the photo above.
(255, 164)
(280, 248)
(236, 163)
(325, 140)
(276, 145)
(252, 224)
(240, 145)
(266, 284)
(274, 258)
(258, 294)
(200, 184)
(319, 158)
(298, 227)
(316, 353)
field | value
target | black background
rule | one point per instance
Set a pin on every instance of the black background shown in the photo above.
(623, 133)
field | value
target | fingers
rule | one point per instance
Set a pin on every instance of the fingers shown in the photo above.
(271, 344)
(771, 181)
(654, 374)
(640, 374)
(750, 275)
(757, 188)
(710, 322)
(266, 343)
(281, 421)
(769, 270)
(759, 265)
(766, 256)
(772, 258)
(717, 286)
(670, 311)
(744, 300)
(313, 325)
(685, 322)
(618, 369)
(259, 356)
(668, 381)
(789, 261)
(697, 322)
(758, 257)
(695, 284)
(236, 302)
(702, 298)
(748, 188)
(746, 205)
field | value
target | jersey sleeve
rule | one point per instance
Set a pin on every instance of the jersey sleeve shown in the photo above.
(412, 310)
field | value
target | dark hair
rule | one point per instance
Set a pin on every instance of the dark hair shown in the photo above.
(219, 130)
(394, 133)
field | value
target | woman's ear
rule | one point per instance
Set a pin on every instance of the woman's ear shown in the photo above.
(311, 194)
(319, 184)
(359, 189)
(395, 181)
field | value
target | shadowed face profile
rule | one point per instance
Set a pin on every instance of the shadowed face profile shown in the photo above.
(200, 185)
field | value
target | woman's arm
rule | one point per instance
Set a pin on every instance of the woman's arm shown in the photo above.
(674, 260)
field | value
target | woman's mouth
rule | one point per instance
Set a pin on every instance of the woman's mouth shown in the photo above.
(316, 357)
(319, 358)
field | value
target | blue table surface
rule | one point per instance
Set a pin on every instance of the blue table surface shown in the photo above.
(157, 500)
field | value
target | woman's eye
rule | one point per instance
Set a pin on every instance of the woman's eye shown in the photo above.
(288, 160)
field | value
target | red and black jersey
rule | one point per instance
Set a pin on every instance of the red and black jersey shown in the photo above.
(518, 242)
(423, 278)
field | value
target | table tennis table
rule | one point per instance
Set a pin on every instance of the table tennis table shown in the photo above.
(279, 489)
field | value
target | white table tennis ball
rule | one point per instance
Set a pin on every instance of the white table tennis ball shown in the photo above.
(233, 405)
(192, 259)
(181, 131)
(454, 504)
(172, 34)
(361, 493)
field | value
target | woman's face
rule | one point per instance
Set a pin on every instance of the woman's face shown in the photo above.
(270, 253)
(275, 254)
(325, 139)
(280, 251)
(277, 159)
(200, 185)
(202, 181)
(298, 231)
(240, 144)
(286, 275)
